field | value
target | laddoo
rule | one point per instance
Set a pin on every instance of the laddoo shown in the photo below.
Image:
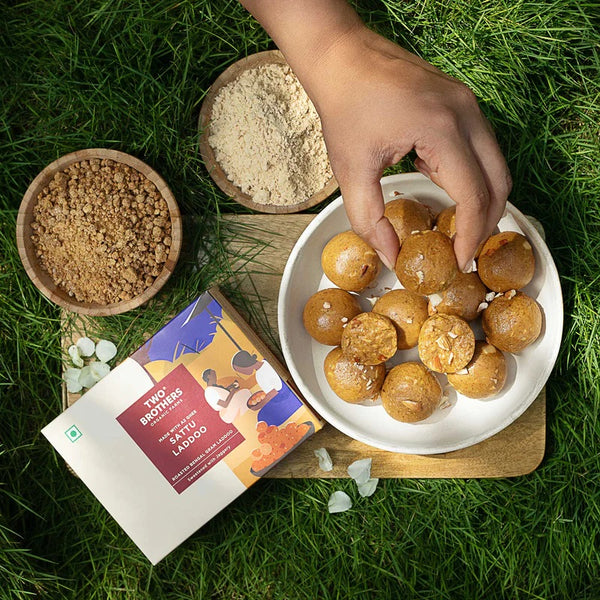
(410, 392)
(506, 262)
(426, 262)
(370, 339)
(349, 262)
(327, 312)
(484, 376)
(446, 343)
(512, 321)
(408, 312)
(352, 381)
(407, 215)
(446, 221)
(462, 297)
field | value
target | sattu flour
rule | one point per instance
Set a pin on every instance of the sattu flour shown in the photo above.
(267, 137)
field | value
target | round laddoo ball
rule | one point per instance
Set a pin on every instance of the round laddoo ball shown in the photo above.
(446, 221)
(349, 262)
(370, 339)
(426, 262)
(506, 262)
(484, 376)
(461, 298)
(407, 215)
(410, 392)
(446, 343)
(512, 321)
(408, 311)
(352, 381)
(327, 312)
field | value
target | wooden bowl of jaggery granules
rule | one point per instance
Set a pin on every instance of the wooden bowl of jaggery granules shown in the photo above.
(99, 232)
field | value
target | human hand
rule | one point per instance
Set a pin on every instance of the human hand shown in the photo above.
(377, 102)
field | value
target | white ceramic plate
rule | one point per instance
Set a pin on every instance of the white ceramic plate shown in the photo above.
(466, 421)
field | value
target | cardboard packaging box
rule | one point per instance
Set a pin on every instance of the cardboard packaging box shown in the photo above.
(183, 426)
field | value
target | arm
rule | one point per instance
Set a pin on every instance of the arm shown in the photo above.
(269, 381)
(270, 395)
(225, 403)
(377, 102)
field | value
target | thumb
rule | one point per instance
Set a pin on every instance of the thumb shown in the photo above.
(364, 205)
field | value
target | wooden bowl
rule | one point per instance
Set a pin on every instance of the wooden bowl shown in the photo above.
(213, 167)
(42, 280)
(257, 400)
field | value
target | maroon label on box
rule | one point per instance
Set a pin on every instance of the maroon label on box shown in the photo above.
(178, 430)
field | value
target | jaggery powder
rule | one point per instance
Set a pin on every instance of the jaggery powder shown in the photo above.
(102, 231)
(267, 137)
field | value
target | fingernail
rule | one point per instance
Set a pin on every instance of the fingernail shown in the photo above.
(469, 267)
(385, 260)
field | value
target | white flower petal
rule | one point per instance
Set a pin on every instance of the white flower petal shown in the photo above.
(360, 470)
(99, 369)
(105, 350)
(74, 386)
(325, 462)
(339, 502)
(86, 346)
(368, 488)
(71, 374)
(86, 378)
(75, 356)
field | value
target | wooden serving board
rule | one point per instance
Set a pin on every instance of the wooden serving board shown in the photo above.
(517, 450)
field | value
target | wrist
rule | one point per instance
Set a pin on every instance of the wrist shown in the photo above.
(330, 72)
(324, 45)
(306, 31)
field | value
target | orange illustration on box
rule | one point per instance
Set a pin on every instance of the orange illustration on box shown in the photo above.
(239, 384)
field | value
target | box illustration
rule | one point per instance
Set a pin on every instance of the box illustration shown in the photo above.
(183, 426)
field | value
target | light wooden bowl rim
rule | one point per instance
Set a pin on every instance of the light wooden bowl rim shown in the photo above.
(42, 280)
(208, 156)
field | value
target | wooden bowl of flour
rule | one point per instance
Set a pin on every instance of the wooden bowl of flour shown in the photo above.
(326, 187)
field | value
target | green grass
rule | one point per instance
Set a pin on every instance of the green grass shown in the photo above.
(132, 75)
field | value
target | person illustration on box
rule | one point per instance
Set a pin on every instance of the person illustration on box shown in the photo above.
(276, 403)
(230, 402)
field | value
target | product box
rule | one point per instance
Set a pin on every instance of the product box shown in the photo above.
(183, 426)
